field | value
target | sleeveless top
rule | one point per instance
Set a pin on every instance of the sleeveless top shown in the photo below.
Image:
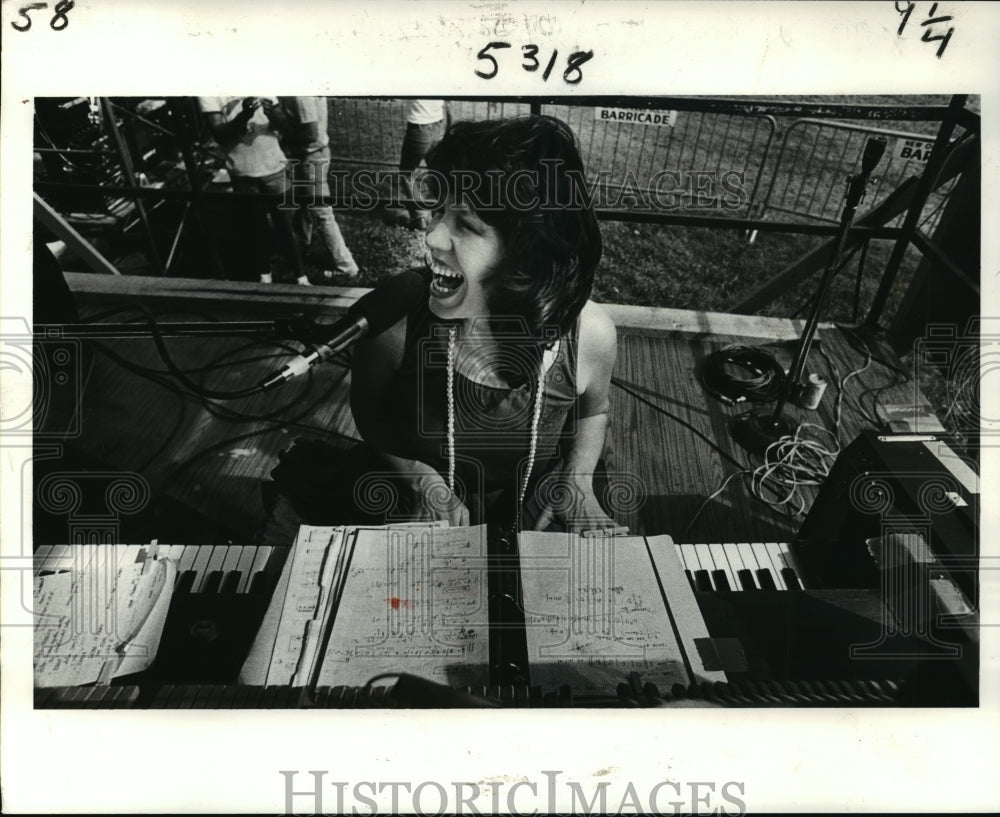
(492, 424)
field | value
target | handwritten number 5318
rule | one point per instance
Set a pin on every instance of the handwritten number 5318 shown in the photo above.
(58, 22)
(572, 75)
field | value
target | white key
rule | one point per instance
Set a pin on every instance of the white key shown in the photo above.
(722, 562)
(199, 567)
(233, 555)
(688, 558)
(764, 560)
(40, 555)
(245, 567)
(736, 563)
(128, 554)
(187, 559)
(259, 562)
(217, 556)
(172, 552)
(783, 556)
(705, 561)
(749, 558)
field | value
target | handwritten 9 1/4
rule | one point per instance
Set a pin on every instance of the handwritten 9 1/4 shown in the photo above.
(572, 75)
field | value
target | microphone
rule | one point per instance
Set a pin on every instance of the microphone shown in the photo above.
(370, 315)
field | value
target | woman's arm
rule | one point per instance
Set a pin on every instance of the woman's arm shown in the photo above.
(598, 348)
(374, 365)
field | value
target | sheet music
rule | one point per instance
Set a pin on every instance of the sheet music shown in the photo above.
(414, 601)
(97, 619)
(285, 649)
(594, 613)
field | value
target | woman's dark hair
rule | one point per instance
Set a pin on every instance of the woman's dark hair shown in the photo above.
(524, 176)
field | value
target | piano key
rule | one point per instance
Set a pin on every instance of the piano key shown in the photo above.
(688, 557)
(184, 583)
(58, 557)
(791, 580)
(784, 556)
(245, 568)
(764, 560)
(233, 555)
(200, 566)
(747, 555)
(702, 581)
(746, 580)
(766, 579)
(40, 555)
(174, 553)
(260, 562)
(734, 557)
(210, 584)
(129, 554)
(721, 580)
(704, 554)
(230, 582)
(216, 558)
(187, 559)
(720, 553)
(849, 689)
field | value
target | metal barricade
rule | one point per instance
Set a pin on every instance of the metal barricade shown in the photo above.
(674, 160)
(816, 156)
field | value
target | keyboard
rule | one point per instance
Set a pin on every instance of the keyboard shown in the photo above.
(202, 569)
(743, 566)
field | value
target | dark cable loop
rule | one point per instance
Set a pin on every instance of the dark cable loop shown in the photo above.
(737, 373)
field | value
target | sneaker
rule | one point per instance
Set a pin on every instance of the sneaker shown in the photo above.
(265, 278)
(353, 272)
(303, 281)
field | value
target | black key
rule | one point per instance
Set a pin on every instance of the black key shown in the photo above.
(212, 582)
(790, 578)
(721, 580)
(702, 581)
(185, 582)
(766, 579)
(258, 584)
(230, 582)
(690, 579)
(746, 579)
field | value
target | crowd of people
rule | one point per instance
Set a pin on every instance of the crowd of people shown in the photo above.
(279, 148)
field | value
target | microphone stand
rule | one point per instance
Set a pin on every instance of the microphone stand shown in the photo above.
(756, 432)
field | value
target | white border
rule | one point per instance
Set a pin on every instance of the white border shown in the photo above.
(228, 761)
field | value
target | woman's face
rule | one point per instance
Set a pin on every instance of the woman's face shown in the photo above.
(462, 252)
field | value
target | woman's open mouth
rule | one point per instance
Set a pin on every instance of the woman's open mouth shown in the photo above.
(446, 282)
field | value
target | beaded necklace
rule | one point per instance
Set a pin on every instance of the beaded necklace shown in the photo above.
(547, 359)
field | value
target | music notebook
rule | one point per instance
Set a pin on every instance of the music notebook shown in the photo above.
(357, 603)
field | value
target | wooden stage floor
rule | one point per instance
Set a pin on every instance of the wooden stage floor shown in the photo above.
(204, 464)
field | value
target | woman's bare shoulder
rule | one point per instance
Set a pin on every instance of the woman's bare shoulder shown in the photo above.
(598, 345)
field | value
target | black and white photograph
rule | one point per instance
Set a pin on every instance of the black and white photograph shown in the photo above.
(540, 358)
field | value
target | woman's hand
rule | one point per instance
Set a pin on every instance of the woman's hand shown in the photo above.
(423, 496)
(568, 500)
(435, 500)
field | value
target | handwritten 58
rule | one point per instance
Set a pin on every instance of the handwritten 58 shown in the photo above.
(572, 75)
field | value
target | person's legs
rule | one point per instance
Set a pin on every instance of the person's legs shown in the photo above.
(314, 168)
(256, 217)
(419, 139)
(284, 222)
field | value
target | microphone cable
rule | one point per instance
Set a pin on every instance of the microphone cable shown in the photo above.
(197, 388)
(737, 373)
